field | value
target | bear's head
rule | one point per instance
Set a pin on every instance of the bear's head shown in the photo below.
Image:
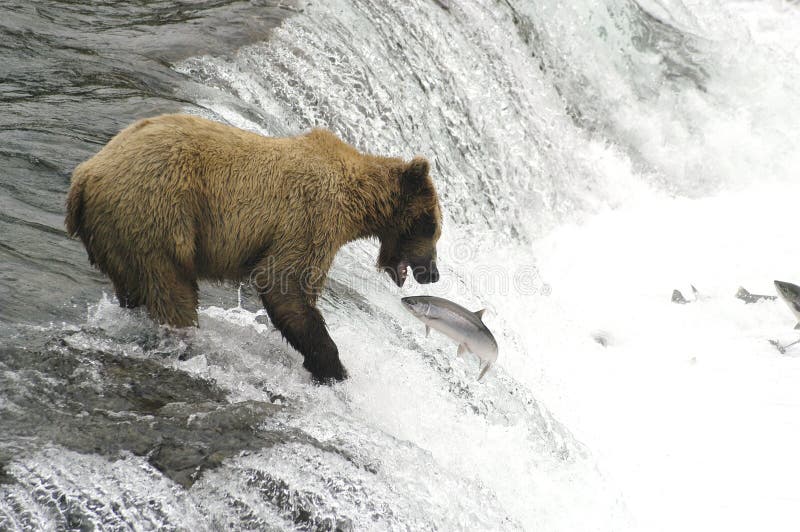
(410, 240)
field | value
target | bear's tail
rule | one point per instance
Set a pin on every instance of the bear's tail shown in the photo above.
(74, 217)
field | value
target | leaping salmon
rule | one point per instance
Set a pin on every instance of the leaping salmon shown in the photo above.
(459, 324)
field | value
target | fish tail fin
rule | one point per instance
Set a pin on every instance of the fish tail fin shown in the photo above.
(484, 368)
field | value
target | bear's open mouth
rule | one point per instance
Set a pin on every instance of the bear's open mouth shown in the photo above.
(402, 272)
(424, 271)
(399, 273)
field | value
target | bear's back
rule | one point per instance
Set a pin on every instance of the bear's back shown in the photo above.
(218, 195)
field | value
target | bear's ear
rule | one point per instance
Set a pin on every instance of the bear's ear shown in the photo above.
(414, 175)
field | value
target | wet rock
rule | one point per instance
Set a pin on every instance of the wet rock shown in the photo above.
(4, 477)
(104, 403)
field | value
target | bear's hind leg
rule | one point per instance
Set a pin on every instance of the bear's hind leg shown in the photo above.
(127, 297)
(170, 295)
(126, 290)
(304, 328)
(122, 273)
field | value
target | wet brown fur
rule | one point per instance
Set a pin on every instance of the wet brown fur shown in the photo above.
(177, 198)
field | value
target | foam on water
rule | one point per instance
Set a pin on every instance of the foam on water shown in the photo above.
(688, 406)
(410, 440)
(57, 488)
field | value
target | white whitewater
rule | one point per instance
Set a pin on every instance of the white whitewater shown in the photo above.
(591, 157)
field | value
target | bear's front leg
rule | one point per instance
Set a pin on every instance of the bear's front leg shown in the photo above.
(304, 328)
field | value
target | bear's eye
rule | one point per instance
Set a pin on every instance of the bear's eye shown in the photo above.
(425, 226)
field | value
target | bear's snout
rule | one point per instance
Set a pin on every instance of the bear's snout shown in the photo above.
(425, 274)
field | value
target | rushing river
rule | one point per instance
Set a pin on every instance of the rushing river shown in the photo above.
(591, 156)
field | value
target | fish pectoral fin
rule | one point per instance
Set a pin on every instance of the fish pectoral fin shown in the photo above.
(462, 349)
(427, 331)
(484, 368)
(480, 313)
(797, 327)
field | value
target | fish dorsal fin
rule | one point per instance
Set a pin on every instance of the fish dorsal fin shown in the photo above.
(427, 331)
(462, 348)
(480, 313)
(677, 297)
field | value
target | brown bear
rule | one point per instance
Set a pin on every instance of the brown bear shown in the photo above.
(178, 198)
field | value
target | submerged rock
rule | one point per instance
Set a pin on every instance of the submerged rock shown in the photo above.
(102, 403)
